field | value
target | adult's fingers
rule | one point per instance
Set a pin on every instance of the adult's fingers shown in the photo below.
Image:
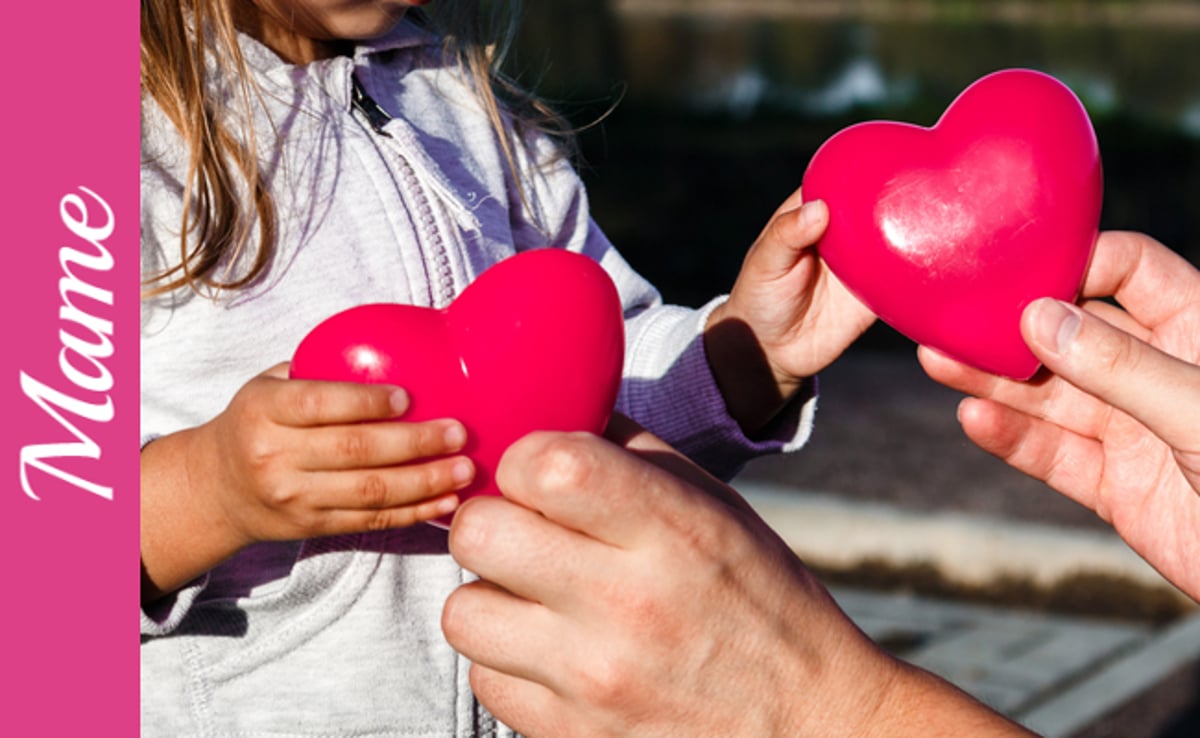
(1160, 390)
(478, 619)
(1149, 280)
(532, 708)
(527, 554)
(1048, 396)
(629, 435)
(621, 496)
(1069, 462)
(583, 483)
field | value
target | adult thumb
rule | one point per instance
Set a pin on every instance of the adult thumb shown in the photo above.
(1159, 390)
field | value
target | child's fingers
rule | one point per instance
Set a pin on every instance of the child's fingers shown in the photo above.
(279, 371)
(373, 445)
(342, 521)
(368, 492)
(788, 234)
(305, 403)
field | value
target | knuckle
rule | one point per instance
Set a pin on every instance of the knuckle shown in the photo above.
(353, 446)
(421, 443)
(428, 440)
(605, 681)
(714, 531)
(564, 462)
(373, 401)
(262, 466)
(283, 497)
(1115, 352)
(426, 479)
(307, 401)
(260, 453)
(379, 520)
(372, 491)
(636, 605)
(250, 393)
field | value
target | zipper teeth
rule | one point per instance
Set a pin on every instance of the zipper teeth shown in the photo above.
(424, 218)
(486, 725)
(427, 223)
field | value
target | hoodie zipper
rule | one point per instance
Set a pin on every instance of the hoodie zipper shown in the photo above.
(441, 278)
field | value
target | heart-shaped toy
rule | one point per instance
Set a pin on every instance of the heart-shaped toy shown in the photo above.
(534, 343)
(947, 233)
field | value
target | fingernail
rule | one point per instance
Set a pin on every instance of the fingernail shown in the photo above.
(1055, 325)
(447, 505)
(455, 436)
(810, 212)
(462, 472)
(398, 401)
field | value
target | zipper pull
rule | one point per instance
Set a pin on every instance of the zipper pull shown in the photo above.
(376, 116)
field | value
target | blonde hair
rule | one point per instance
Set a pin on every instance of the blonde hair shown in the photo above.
(228, 214)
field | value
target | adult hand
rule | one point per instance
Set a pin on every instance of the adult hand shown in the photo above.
(624, 592)
(787, 316)
(1115, 424)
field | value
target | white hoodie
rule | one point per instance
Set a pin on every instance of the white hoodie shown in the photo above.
(340, 636)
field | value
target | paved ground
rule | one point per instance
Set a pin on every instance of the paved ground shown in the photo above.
(1076, 661)
(1060, 676)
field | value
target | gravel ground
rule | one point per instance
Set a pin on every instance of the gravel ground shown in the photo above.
(888, 433)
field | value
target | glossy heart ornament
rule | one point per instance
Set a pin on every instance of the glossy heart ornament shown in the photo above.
(534, 343)
(947, 233)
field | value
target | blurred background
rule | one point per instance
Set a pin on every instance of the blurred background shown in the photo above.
(700, 117)
(717, 105)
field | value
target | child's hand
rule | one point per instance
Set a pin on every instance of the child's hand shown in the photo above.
(293, 459)
(296, 459)
(786, 318)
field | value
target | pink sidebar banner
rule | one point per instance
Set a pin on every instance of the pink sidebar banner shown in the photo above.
(68, 505)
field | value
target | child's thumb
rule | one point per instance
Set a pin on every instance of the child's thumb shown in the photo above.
(791, 233)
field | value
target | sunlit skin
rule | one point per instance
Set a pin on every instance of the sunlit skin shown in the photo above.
(1112, 423)
(302, 31)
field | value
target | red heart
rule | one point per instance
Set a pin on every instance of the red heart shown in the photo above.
(535, 343)
(947, 233)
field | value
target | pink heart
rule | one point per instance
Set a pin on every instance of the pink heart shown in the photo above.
(947, 233)
(535, 343)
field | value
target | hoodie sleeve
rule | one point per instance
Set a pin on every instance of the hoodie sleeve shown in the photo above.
(667, 386)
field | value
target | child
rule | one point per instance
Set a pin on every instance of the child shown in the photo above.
(289, 173)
